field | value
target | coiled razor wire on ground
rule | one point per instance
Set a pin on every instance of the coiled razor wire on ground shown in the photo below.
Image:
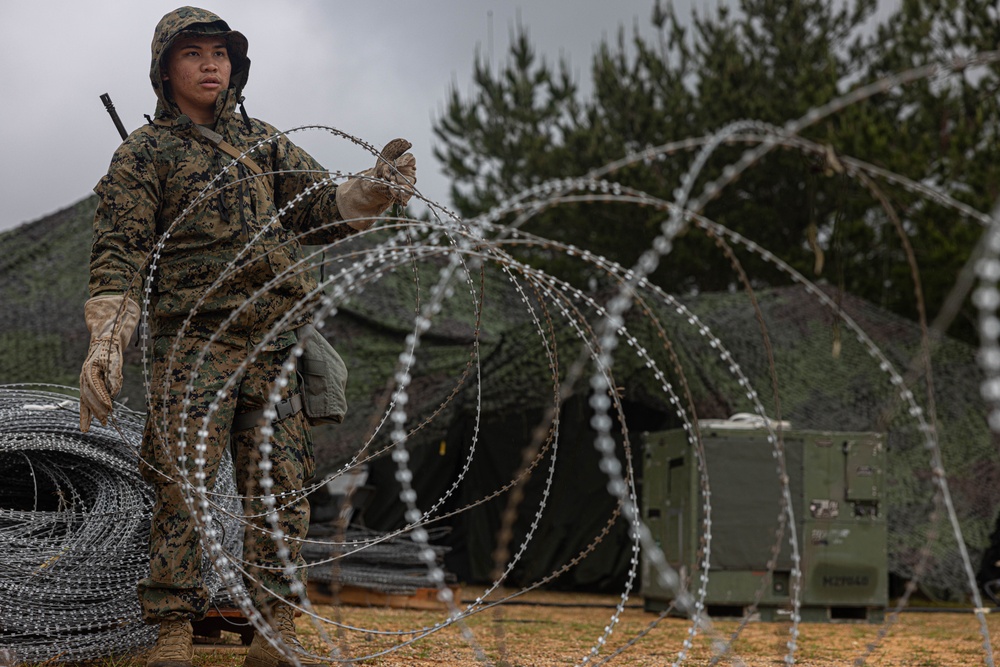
(387, 566)
(580, 338)
(74, 515)
(74, 529)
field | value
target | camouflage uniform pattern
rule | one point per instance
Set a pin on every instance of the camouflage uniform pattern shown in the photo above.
(159, 171)
(174, 587)
(154, 181)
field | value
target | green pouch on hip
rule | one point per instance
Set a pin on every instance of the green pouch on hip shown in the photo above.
(324, 379)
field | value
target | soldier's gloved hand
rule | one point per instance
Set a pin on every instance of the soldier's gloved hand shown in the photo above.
(360, 200)
(111, 319)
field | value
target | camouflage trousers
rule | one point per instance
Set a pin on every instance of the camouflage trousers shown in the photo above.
(174, 588)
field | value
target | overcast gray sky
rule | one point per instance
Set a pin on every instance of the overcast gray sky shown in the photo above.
(376, 69)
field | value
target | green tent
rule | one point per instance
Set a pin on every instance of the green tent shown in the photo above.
(483, 382)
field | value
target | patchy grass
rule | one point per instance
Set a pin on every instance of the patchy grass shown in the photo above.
(562, 627)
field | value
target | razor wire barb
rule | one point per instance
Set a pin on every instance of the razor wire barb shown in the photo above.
(42, 540)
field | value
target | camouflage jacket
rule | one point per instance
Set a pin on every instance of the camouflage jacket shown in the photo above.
(157, 182)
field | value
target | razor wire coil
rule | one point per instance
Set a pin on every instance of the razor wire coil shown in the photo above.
(69, 489)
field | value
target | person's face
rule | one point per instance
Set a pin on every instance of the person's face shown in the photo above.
(198, 69)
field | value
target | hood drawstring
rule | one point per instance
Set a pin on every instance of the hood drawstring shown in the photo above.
(242, 172)
(246, 118)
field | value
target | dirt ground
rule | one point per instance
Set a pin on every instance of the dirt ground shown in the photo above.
(561, 629)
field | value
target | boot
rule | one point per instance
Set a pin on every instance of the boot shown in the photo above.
(174, 647)
(262, 654)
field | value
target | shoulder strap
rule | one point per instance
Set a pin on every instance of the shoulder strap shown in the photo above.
(219, 143)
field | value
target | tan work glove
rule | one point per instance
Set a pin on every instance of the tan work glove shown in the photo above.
(360, 200)
(101, 375)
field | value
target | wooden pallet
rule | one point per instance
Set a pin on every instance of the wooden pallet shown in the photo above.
(769, 612)
(422, 598)
(208, 631)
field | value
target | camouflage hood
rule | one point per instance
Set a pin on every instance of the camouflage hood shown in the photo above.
(187, 20)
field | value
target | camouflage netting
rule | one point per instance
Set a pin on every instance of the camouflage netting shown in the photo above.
(827, 380)
(499, 409)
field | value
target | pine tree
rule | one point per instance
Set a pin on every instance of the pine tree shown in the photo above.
(772, 61)
(946, 133)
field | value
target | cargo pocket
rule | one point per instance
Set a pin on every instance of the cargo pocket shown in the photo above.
(324, 379)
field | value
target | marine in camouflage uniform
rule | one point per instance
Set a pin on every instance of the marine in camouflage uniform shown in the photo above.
(157, 183)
